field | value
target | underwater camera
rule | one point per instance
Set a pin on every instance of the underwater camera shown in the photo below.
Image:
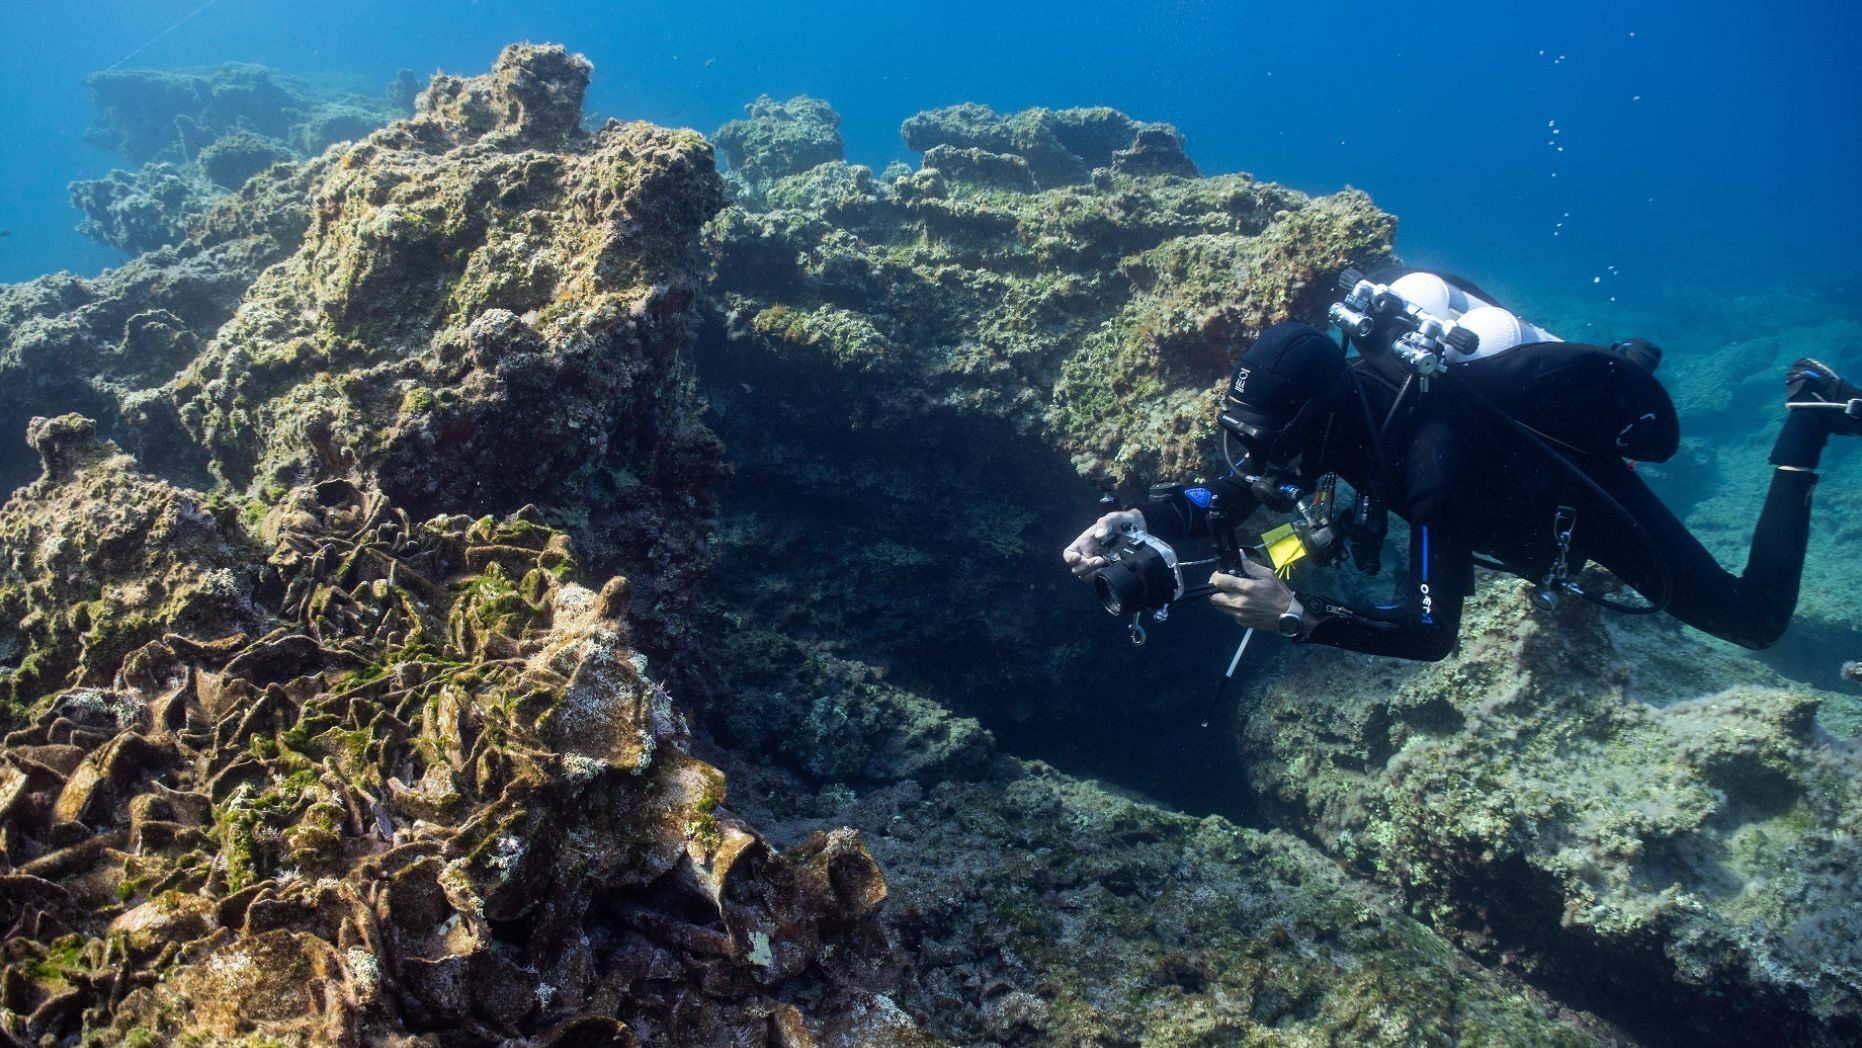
(1142, 573)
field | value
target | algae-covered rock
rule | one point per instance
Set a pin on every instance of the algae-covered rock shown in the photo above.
(438, 792)
(1058, 146)
(230, 161)
(197, 134)
(478, 285)
(482, 284)
(1041, 909)
(144, 114)
(104, 345)
(155, 206)
(297, 764)
(781, 138)
(1101, 315)
(1617, 809)
(531, 98)
(99, 560)
(834, 720)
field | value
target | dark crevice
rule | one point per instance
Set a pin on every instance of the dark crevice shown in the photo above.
(1629, 982)
(927, 542)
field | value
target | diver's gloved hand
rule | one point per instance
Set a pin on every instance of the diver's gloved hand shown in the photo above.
(1087, 554)
(1255, 599)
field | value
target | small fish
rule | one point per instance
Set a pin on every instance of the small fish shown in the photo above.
(6, 232)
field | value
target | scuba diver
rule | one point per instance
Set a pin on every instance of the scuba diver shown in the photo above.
(1502, 446)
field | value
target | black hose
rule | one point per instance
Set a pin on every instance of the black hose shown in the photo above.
(1642, 534)
(1402, 395)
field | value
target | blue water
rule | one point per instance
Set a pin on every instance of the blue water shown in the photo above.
(1702, 144)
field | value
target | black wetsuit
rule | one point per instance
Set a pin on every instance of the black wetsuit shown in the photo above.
(1467, 483)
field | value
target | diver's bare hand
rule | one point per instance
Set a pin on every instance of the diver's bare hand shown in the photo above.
(1255, 599)
(1087, 553)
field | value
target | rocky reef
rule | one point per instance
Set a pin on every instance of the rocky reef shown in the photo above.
(195, 135)
(1620, 811)
(404, 558)
(290, 762)
(1036, 908)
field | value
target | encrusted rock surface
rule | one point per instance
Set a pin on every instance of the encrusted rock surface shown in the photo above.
(781, 138)
(1607, 804)
(150, 114)
(1100, 312)
(1057, 147)
(100, 559)
(479, 285)
(484, 285)
(196, 134)
(438, 793)
(135, 212)
(105, 345)
(1040, 909)
(298, 763)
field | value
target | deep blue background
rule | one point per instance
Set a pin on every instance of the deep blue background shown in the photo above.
(1735, 167)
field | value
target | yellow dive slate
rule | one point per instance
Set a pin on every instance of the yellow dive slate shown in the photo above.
(1283, 547)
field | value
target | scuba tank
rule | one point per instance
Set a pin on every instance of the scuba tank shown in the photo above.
(1600, 402)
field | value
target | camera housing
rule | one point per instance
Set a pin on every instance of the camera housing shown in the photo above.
(1142, 573)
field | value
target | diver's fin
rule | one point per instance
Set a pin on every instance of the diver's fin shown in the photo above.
(1812, 385)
